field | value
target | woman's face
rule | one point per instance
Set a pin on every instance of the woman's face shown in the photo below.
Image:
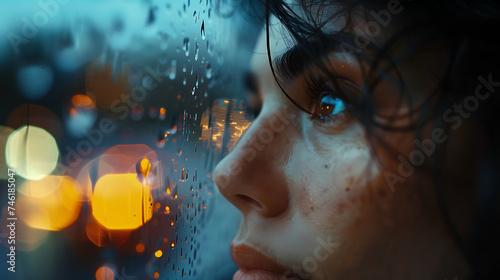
(316, 201)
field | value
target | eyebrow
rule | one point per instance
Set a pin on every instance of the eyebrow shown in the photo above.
(292, 63)
(296, 60)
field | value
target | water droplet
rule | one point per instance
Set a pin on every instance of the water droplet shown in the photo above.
(203, 36)
(173, 69)
(186, 46)
(151, 16)
(196, 51)
(208, 71)
(210, 51)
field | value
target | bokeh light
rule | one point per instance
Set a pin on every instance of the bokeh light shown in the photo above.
(104, 273)
(35, 81)
(158, 254)
(140, 248)
(82, 115)
(49, 208)
(82, 101)
(41, 187)
(32, 152)
(120, 201)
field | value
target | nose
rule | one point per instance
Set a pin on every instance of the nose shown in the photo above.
(252, 175)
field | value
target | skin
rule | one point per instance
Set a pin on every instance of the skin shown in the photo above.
(300, 184)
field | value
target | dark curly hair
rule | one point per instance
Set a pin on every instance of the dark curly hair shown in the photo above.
(467, 29)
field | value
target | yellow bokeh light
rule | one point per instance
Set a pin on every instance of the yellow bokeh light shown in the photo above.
(32, 152)
(42, 187)
(158, 253)
(49, 208)
(120, 201)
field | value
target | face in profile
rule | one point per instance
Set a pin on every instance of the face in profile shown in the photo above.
(326, 195)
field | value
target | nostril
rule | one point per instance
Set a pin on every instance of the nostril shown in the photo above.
(249, 200)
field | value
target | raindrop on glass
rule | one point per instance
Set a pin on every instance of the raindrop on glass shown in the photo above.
(208, 71)
(173, 69)
(186, 46)
(196, 51)
(203, 35)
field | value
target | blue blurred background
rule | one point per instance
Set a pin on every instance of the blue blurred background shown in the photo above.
(113, 115)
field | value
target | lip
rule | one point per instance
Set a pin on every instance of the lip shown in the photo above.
(255, 265)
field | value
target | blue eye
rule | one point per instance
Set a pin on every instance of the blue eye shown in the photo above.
(330, 106)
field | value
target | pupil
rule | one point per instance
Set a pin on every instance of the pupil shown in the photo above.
(326, 108)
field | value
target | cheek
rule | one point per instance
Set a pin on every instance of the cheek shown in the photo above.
(338, 193)
(328, 178)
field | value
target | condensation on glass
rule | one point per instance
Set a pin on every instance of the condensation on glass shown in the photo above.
(117, 114)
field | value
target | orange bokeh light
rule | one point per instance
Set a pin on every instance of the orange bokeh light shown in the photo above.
(104, 273)
(82, 101)
(140, 248)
